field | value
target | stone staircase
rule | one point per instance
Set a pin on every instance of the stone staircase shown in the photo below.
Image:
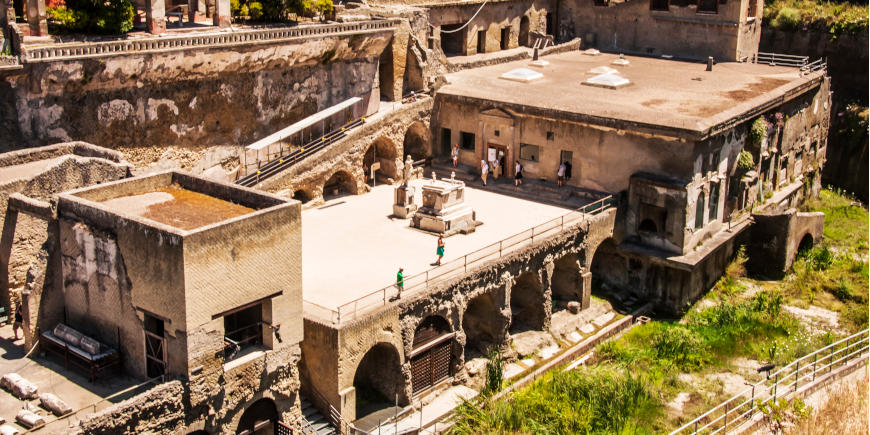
(317, 423)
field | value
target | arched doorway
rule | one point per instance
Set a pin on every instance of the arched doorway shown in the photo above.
(483, 325)
(567, 282)
(260, 418)
(417, 141)
(527, 304)
(524, 31)
(383, 151)
(431, 354)
(805, 245)
(610, 274)
(302, 196)
(378, 381)
(340, 183)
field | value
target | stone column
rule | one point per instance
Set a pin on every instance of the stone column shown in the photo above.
(585, 289)
(36, 18)
(222, 15)
(155, 16)
(6, 239)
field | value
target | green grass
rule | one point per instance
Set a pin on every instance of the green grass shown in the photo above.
(831, 17)
(632, 378)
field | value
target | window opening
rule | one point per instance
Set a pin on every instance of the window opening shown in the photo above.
(467, 142)
(243, 329)
(529, 152)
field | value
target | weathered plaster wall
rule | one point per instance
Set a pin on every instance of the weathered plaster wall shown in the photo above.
(631, 26)
(776, 238)
(208, 96)
(492, 19)
(159, 410)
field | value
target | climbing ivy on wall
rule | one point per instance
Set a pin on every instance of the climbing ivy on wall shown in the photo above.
(745, 160)
(757, 131)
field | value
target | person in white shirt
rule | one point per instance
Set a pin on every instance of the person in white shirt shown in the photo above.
(484, 171)
(561, 174)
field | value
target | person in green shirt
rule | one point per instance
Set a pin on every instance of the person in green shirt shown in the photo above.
(400, 282)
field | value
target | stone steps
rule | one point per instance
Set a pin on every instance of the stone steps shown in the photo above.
(318, 423)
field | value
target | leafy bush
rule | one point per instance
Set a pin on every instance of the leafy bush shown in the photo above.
(680, 345)
(255, 11)
(745, 160)
(758, 131)
(788, 19)
(830, 17)
(94, 16)
(494, 372)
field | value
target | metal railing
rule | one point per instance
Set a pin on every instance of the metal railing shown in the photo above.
(423, 281)
(335, 418)
(816, 65)
(183, 42)
(783, 382)
(781, 59)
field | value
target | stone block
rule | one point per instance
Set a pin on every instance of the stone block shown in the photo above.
(574, 307)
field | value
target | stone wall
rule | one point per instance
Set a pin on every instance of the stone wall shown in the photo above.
(681, 31)
(203, 96)
(520, 17)
(159, 410)
(776, 239)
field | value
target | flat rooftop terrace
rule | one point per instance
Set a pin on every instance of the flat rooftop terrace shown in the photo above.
(663, 93)
(351, 247)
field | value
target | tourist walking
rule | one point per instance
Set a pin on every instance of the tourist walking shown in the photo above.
(455, 154)
(440, 250)
(400, 283)
(18, 320)
(484, 170)
(518, 173)
(561, 175)
(495, 168)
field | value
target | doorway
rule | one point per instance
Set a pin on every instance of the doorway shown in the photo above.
(567, 157)
(496, 154)
(481, 41)
(155, 351)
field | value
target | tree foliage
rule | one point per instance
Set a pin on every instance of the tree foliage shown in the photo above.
(93, 16)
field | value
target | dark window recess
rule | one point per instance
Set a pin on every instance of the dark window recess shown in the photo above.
(658, 5)
(680, 3)
(599, 2)
(652, 218)
(497, 133)
(699, 212)
(243, 329)
(714, 202)
(505, 38)
(551, 135)
(467, 141)
(550, 22)
(708, 6)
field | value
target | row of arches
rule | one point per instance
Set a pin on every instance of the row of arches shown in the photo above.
(382, 151)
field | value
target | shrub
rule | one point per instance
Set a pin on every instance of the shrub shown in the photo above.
(745, 160)
(494, 372)
(788, 19)
(68, 19)
(322, 7)
(758, 131)
(679, 345)
(96, 16)
(255, 11)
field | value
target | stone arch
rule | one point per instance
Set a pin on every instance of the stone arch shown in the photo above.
(340, 183)
(483, 325)
(385, 152)
(609, 270)
(805, 244)
(567, 281)
(303, 195)
(417, 141)
(524, 31)
(378, 380)
(528, 311)
(648, 225)
(260, 417)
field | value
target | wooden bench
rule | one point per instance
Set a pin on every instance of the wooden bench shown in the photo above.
(94, 365)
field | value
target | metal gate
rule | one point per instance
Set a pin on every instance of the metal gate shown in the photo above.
(431, 366)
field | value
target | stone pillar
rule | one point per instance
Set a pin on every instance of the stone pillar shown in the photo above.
(155, 16)
(585, 289)
(36, 18)
(6, 239)
(192, 7)
(222, 15)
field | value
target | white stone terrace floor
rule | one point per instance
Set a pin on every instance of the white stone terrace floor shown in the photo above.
(352, 247)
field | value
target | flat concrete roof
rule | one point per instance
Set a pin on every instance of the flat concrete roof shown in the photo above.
(663, 94)
(351, 247)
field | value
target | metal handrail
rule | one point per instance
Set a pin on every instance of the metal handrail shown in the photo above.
(423, 280)
(335, 417)
(787, 379)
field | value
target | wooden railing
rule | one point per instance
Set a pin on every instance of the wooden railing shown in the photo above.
(75, 50)
(423, 281)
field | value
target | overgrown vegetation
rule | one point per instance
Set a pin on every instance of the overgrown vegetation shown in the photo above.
(758, 130)
(633, 378)
(835, 18)
(91, 16)
(745, 160)
(279, 10)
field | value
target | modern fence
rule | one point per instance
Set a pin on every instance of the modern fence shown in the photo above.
(790, 60)
(781, 383)
(77, 50)
(458, 267)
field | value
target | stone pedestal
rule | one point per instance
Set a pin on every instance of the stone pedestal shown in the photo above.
(37, 19)
(155, 16)
(403, 203)
(444, 210)
(222, 16)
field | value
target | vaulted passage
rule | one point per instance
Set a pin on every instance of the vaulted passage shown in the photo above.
(340, 183)
(382, 151)
(417, 141)
(378, 380)
(260, 418)
(609, 270)
(567, 282)
(431, 357)
(483, 326)
(527, 304)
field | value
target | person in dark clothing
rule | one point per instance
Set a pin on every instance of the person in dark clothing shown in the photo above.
(568, 170)
(19, 321)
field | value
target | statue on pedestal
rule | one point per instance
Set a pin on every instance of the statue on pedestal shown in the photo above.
(403, 204)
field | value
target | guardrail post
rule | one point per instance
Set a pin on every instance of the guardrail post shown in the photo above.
(831, 360)
(752, 402)
(815, 357)
(725, 428)
(499, 249)
(465, 262)
(775, 384)
(847, 351)
(797, 370)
